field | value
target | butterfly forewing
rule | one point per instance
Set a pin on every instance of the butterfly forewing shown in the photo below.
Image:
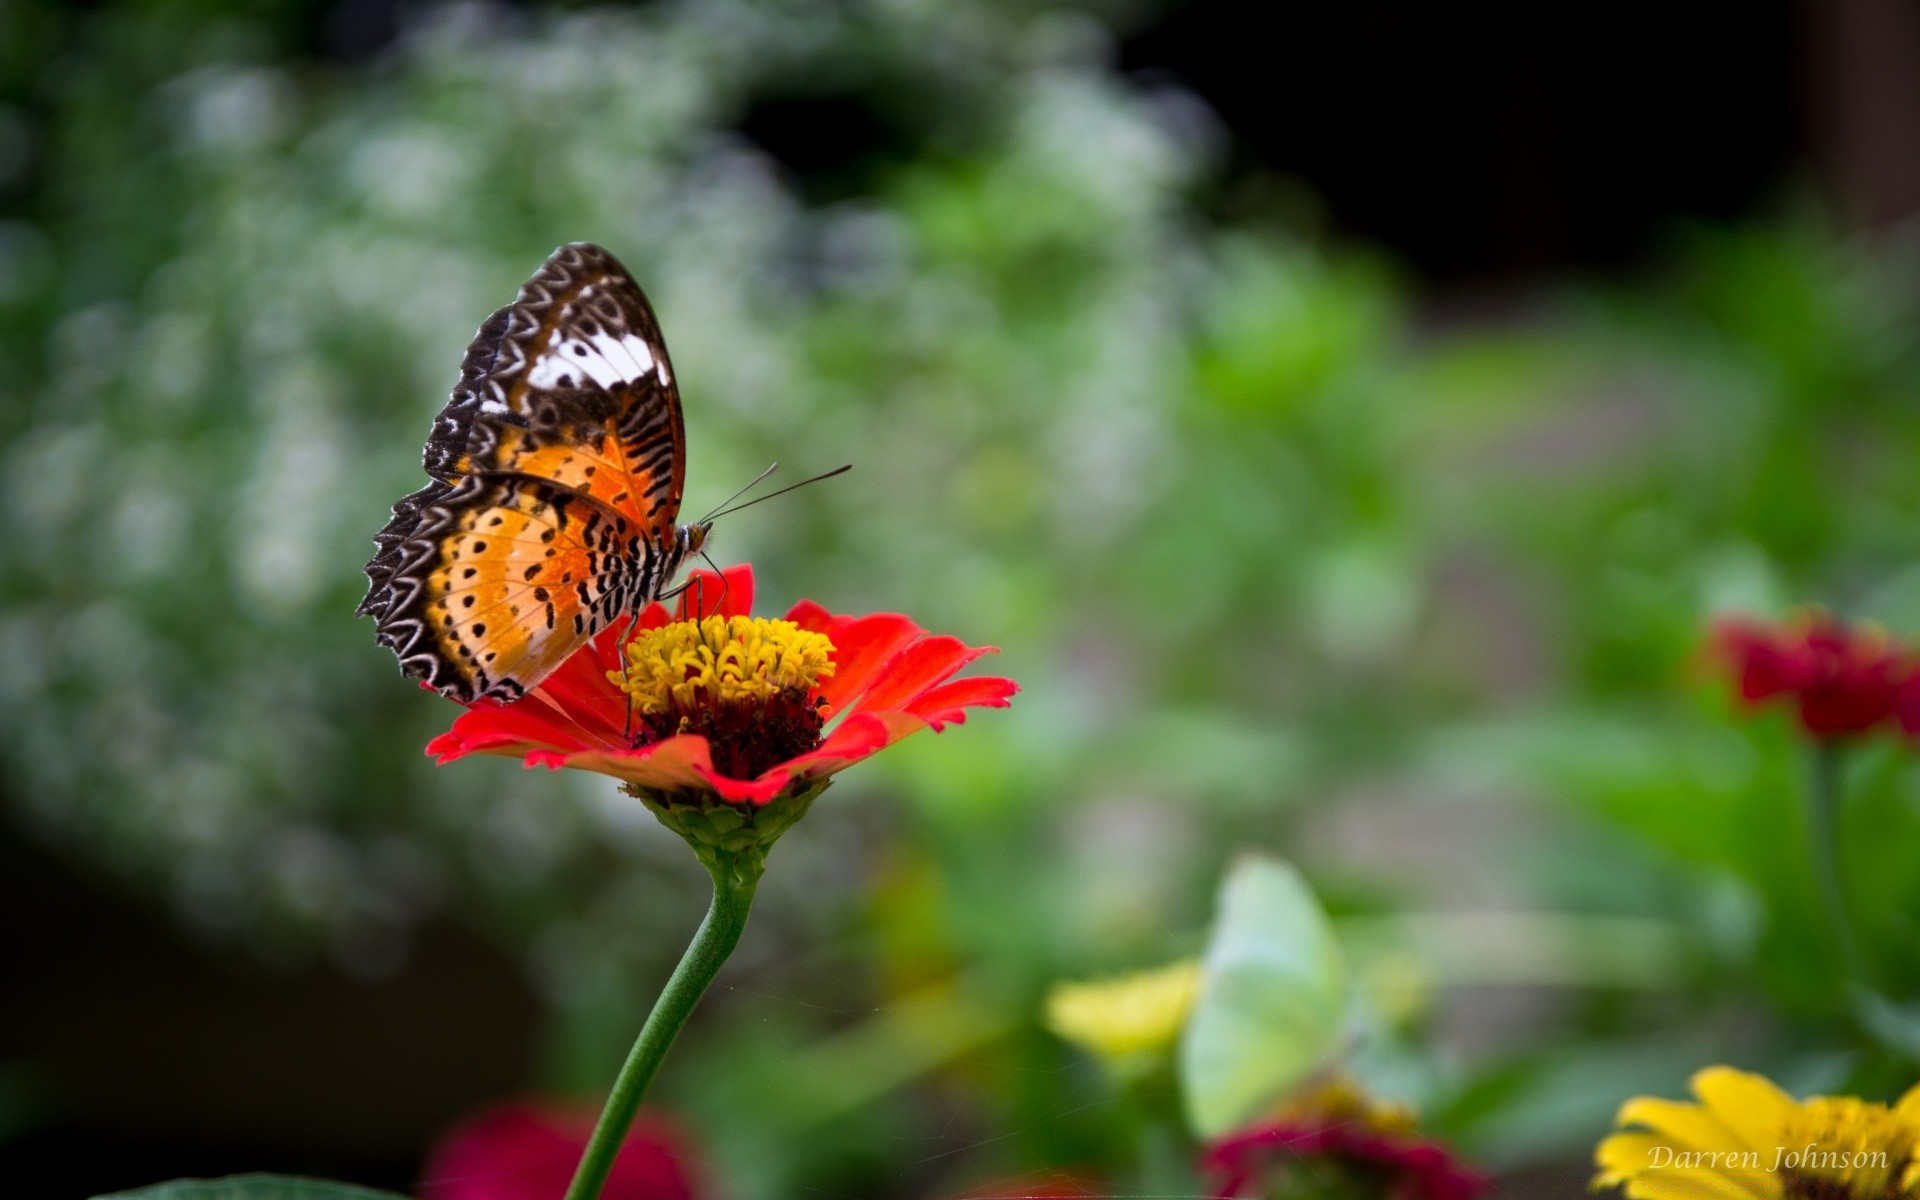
(558, 465)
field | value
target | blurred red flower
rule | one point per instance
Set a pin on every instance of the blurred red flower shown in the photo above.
(1390, 1165)
(1335, 1133)
(1841, 679)
(884, 678)
(528, 1151)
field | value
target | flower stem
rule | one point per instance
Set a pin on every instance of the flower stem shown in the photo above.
(1823, 818)
(1165, 1151)
(733, 885)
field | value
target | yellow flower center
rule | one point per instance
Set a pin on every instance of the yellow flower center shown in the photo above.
(1126, 1019)
(722, 660)
(1339, 1101)
(744, 683)
(1840, 1148)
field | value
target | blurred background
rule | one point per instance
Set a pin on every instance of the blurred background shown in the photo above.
(1345, 426)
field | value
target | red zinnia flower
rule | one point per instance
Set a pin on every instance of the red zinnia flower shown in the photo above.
(1841, 679)
(710, 701)
(527, 1151)
(1338, 1129)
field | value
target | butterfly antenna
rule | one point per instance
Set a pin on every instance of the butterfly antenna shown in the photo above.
(724, 511)
(751, 484)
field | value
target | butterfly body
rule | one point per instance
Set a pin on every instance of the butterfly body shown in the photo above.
(556, 469)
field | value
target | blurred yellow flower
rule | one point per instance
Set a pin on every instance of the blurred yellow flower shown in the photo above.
(1748, 1140)
(1127, 1018)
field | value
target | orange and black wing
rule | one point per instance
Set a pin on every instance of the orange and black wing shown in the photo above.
(557, 467)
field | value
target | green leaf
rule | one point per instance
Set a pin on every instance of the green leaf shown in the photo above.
(1272, 998)
(1895, 1026)
(252, 1187)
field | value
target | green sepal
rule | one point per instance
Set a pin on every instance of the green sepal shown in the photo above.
(730, 839)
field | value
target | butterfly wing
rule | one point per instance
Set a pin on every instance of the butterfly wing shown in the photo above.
(571, 383)
(557, 467)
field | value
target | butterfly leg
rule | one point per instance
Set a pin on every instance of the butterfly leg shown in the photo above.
(626, 662)
(627, 732)
(724, 585)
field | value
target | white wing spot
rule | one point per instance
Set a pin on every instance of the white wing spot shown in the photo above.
(572, 358)
(548, 368)
(628, 348)
(602, 358)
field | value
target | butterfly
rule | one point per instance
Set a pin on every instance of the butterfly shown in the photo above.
(556, 473)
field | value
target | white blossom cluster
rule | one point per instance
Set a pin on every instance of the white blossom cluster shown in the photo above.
(990, 330)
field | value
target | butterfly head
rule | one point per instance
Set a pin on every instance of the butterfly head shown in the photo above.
(688, 539)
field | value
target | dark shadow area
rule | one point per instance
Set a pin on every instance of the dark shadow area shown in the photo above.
(134, 1056)
(834, 144)
(1485, 142)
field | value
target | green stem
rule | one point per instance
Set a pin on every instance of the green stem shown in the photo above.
(1823, 818)
(1163, 1151)
(733, 885)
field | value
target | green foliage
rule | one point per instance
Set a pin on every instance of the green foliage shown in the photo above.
(1282, 558)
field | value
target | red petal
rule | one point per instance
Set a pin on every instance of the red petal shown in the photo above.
(855, 738)
(918, 668)
(947, 704)
(1906, 704)
(750, 791)
(479, 731)
(579, 689)
(862, 648)
(728, 594)
(529, 1148)
(807, 615)
(859, 736)
(682, 763)
(1762, 662)
(664, 765)
(653, 616)
(1841, 679)
(686, 762)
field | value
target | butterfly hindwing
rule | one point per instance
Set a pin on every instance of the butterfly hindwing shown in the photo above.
(557, 466)
(512, 575)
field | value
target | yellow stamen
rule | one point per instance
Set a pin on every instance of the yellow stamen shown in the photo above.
(1125, 1018)
(1340, 1101)
(721, 661)
(1847, 1147)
